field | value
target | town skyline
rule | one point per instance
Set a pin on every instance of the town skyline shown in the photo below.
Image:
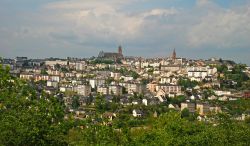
(199, 29)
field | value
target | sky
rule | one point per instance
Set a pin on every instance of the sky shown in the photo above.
(149, 28)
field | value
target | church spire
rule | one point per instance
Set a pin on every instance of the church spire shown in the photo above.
(174, 55)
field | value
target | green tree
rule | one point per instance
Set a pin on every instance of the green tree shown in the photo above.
(28, 119)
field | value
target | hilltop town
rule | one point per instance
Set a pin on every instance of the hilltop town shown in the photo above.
(136, 82)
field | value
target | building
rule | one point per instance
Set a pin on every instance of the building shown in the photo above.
(135, 88)
(102, 89)
(115, 75)
(173, 55)
(137, 113)
(84, 90)
(111, 55)
(79, 66)
(51, 83)
(152, 86)
(202, 108)
(26, 76)
(96, 82)
(172, 68)
(188, 105)
(169, 88)
(54, 62)
(247, 94)
(115, 89)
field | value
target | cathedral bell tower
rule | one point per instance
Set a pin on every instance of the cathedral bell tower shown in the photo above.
(120, 50)
(174, 55)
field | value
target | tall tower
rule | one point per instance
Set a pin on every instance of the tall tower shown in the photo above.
(120, 50)
(174, 55)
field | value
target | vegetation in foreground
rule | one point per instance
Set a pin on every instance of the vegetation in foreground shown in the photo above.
(30, 117)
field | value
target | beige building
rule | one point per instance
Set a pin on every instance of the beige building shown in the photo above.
(84, 90)
(115, 89)
(115, 75)
(188, 105)
(168, 88)
(152, 86)
(135, 88)
(202, 108)
(103, 90)
(26, 76)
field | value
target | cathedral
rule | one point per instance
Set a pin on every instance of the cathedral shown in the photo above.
(173, 55)
(111, 55)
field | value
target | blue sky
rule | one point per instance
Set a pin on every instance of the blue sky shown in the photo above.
(150, 28)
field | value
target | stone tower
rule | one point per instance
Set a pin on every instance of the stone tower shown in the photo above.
(120, 50)
(174, 55)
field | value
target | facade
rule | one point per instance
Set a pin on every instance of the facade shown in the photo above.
(96, 82)
(172, 68)
(54, 62)
(202, 108)
(111, 55)
(152, 87)
(84, 90)
(52, 84)
(115, 75)
(168, 88)
(115, 89)
(102, 89)
(26, 76)
(135, 88)
(188, 105)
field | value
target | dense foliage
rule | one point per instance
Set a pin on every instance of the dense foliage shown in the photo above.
(25, 117)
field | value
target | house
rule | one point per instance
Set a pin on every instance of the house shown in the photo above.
(168, 80)
(170, 68)
(52, 84)
(247, 94)
(145, 101)
(65, 88)
(152, 86)
(115, 75)
(188, 105)
(221, 93)
(202, 108)
(79, 66)
(115, 89)
(137, 113)
(26, 76)
(168, 88)
(136, 102)
(135, 88)
(174, 106)
(161, 95)
(54, 62)
(96, 82)
(103, 89)
(108, 115)
(84, 90)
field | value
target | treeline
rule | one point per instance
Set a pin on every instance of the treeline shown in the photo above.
(29, 117)
(168, 129)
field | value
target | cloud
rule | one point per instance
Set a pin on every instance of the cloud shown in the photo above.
(227, 29)
(102, 25)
